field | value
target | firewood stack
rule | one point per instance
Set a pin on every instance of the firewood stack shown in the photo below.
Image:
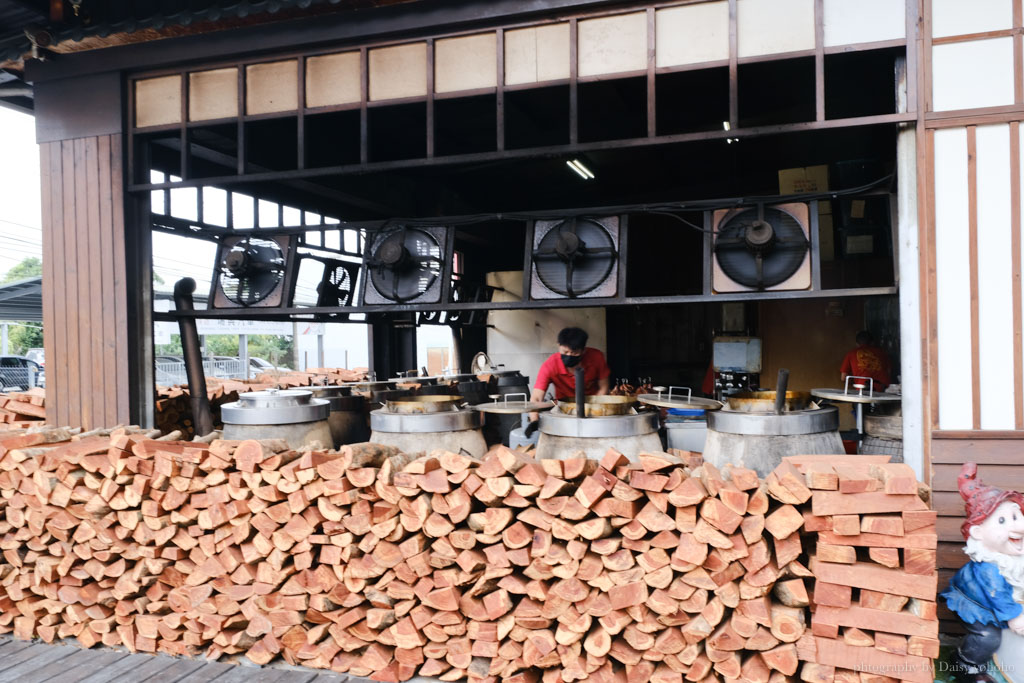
(367, 561)
(174, 409)
(299, 378)
(22, 410)
(875, 571)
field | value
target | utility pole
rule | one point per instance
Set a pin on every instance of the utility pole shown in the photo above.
(3, 340)
(243, 352)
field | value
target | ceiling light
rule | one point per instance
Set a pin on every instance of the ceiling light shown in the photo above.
(726, 125)
(581, 170)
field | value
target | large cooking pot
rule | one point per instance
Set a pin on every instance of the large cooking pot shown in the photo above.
(600, 406)
(424, 404)
(764, 401)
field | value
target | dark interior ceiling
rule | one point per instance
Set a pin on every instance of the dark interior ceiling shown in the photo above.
(690, 171)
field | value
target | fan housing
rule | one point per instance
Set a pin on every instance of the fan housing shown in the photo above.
(406, 265)
(762, 248)
(575, 258)
(253, 271)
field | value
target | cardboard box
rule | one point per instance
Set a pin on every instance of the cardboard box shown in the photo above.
(806, 179)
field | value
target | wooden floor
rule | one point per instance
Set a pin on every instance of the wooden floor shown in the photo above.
(33, 662)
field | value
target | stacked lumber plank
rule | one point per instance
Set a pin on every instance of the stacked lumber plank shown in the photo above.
(22, 410)
(874, 564)
(310, 376)
(367, 561)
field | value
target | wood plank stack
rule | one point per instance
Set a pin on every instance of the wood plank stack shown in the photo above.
(174, 409)
(22, 410)
(874, 564)
(372, 562)
(310, 376)
(368, 562)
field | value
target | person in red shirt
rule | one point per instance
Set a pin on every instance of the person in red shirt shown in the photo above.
(559, 369)
(868, 360)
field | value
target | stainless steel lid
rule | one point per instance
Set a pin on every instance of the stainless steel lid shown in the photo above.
(559, 424)
(507, 407)
(682, 399)
(769, 424)
(340, 399)
(274, 407)
(454, 421)
(855, 397)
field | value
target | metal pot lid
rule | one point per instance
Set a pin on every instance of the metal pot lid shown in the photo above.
(463, 377)
(670, 398)
(853, 396)
(273, 406)
(331, 391)
(502, 406)
(795, 423)
(382, 395)
(424, 404)
(370, 385)
(341, 401)
(415, 380)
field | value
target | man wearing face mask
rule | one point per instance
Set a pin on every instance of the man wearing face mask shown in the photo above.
(559, 370)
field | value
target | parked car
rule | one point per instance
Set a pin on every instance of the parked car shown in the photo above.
(262, 365)
(37, 355)
(18, 373)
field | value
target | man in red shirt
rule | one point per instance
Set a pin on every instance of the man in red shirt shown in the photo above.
(868, 360)
(558, 369)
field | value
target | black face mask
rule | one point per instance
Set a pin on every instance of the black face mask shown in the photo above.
(570, 361)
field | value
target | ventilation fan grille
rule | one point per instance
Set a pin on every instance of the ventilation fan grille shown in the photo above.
(405, 265)
(251, 272)
(575, 258)
(765, 249)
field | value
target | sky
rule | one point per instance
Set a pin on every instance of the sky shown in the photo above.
(20, 222)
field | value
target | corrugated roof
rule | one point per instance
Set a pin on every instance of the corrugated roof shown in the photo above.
(125, 17)
(22, 300)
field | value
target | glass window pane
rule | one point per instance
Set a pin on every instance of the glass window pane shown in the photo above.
(215, 206)
(292, 216)
(268, 214)
(312, 218)
(184, 203)
(156, 204)
(242, 211)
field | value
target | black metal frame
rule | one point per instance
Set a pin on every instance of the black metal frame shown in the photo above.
(412, 32)
(500, 153)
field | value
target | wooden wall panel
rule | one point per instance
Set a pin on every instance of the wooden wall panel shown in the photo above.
(84, 289)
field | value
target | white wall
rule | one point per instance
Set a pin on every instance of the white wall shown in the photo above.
(522, 340)
(339, 338)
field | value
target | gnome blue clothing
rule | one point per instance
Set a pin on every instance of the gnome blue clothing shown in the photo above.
(979, 594)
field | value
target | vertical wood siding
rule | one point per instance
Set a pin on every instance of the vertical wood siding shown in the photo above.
(84, 289)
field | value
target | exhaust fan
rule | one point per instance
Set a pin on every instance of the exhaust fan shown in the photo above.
(253, 272)
(575, 258)
(763, 248)
(405, 265)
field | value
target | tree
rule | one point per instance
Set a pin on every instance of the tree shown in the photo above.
(24, 336)
(29, 267)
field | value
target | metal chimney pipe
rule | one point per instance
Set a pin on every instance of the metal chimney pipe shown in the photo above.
(581, 397)
(780, 391)
(201, 416)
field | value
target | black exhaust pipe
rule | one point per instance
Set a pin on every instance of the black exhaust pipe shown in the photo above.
(581, 394)
(201, 417)
(780, 391)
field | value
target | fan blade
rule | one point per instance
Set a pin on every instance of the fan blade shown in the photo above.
(570, 268)
(759, 262)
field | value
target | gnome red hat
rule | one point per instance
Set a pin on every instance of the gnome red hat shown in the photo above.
(980, 501)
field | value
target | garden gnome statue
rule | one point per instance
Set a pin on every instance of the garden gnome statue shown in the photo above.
(988, 592)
